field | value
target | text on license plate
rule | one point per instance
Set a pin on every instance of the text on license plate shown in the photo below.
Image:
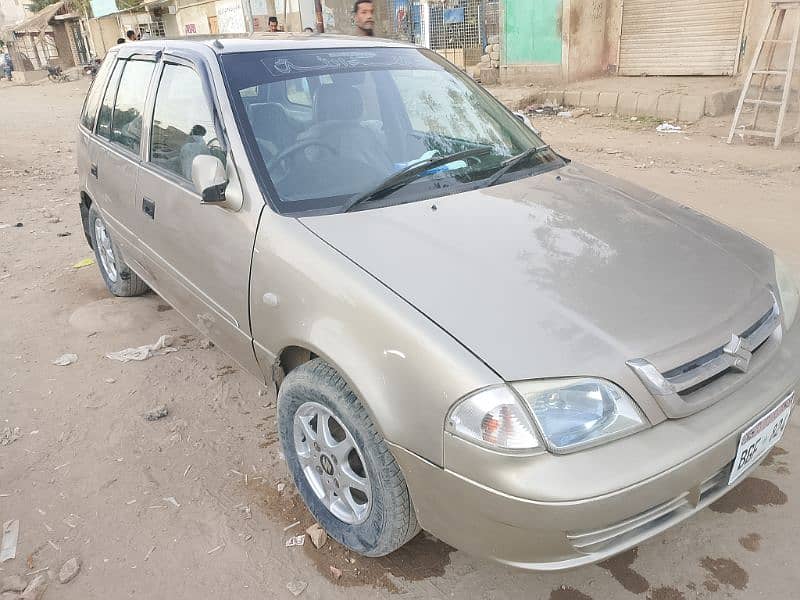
(760, 437)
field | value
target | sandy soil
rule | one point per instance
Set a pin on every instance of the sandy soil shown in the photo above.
(195, 505)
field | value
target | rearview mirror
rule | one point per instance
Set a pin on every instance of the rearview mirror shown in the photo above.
(209, 178)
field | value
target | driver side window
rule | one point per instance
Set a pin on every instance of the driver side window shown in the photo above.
(183, 123)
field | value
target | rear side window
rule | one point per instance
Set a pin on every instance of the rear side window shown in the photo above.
(183, 123)
(107, 107)
(126, 121)
(96, 92)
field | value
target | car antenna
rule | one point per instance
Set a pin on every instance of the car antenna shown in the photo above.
(218, 44)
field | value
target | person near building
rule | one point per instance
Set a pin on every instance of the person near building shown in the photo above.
(5, 62)
(273, 24)
(131, 35)
(364, 17)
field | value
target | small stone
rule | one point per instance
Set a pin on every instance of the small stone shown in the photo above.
(35, 589)
(280, 487)
(337, 573)
(110, 380)
(159, 412)
(318, 535)
(13, 583)
(18, 225)
(64, 234)
(206, 344)
(69, 570)
(296, 587)
(54, 220)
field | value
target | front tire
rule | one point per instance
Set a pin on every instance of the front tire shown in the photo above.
(118, 277)
(340, 463)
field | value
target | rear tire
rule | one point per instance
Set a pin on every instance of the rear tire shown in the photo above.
(118, 277)
(383, 518)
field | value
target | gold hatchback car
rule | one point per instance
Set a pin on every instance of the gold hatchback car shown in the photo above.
(471, 334)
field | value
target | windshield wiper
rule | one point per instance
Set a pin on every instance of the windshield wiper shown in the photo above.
(411, 173)
(512, 162)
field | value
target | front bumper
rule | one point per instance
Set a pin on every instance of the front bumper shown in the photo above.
(548, 512)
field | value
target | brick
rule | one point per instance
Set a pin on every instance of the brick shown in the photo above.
(607, 102)
(668, 106)
(626, 105)
(692, 108)
(722, 102)
(647, 105)
(572, 98)
(589, 99)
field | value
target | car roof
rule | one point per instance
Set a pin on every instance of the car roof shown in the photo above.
(259, 42)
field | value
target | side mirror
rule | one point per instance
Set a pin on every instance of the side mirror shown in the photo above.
(209, 178)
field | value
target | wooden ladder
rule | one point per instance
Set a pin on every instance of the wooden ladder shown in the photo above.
(771, 40)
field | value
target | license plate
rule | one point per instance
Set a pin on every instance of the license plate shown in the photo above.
(761, 437)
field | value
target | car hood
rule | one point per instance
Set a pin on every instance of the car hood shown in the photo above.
(571, 272)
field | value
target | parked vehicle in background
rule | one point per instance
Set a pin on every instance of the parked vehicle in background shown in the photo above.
(535, 361)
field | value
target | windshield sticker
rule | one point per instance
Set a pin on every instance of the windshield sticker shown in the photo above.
(326, 62)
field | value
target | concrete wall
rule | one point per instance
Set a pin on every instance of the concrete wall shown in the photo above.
(195, 14)
(61, 36)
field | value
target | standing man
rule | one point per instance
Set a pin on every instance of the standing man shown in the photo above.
(5, 63)
(364, 17)
(273, 24)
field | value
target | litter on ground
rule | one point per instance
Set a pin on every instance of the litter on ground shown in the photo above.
(65, 359)
(8, 547)
(161, 347)
(86, 262)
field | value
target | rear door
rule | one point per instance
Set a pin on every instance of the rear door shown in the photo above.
(118, 135)
(198, 255)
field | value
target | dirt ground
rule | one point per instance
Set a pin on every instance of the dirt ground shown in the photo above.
(196, 505)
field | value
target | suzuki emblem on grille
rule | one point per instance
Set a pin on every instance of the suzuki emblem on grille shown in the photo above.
(740, 351)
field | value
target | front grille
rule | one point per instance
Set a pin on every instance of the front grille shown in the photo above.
(700, 382)
(700, 372)
(652, 520)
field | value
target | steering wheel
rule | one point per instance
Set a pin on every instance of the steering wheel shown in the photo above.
(295, 148)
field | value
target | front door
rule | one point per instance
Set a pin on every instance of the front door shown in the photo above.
(199, 255)
(212, 25)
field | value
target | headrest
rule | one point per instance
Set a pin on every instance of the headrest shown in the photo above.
(337, 103)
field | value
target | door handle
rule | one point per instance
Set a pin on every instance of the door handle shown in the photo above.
(93, 170)
(149, 207)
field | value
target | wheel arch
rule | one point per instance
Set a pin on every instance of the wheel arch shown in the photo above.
(85, 204)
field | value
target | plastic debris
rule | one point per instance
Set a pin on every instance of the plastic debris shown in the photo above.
(9, 435)
(8, 547)
(86, 262)
(161, 347)
(565, 114)
(318, 535)
(296, 540)
(296, 587)
(668, 128)
(159, 412)
(65, 359)
(69, 570)
(171, 500)
(336, 573)
(64, 234)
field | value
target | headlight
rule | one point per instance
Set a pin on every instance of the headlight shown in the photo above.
(575, 413)
(494, 418)
(787, 289)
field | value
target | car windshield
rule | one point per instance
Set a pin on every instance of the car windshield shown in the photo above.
(328, 127)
